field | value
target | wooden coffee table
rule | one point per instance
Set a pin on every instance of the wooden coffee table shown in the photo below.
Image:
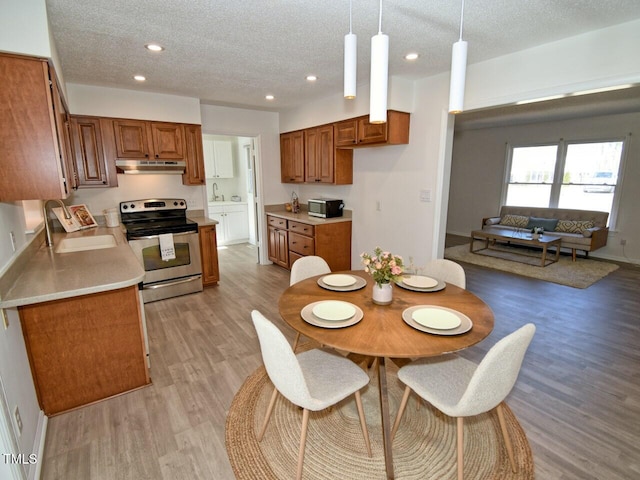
(492, 235)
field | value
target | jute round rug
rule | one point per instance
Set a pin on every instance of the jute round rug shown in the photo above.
(424, 446)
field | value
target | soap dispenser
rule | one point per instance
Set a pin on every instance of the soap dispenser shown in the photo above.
(295, 204)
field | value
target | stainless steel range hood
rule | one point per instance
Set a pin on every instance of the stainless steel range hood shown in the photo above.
(166, 167)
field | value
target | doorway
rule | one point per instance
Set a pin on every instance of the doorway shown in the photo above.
(231, 193)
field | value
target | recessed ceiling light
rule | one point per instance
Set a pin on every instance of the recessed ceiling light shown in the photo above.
(311, 78)
(411, 56)
(269, 97)
(139, 78)
(154, 47)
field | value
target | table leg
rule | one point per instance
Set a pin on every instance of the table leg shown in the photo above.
(384, 412)
(544, 254)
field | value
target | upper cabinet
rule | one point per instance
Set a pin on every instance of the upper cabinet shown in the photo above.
(35, 159)
(194, 173)
(218, 158)
(91, 164)
(318, 154)
(358, 132)
(139, 139)
(292, 157)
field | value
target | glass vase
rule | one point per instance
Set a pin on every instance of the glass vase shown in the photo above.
(382, 293)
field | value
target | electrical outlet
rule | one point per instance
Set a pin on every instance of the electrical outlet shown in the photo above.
(13, 240)
(18, 419)
(378, 207)
(191, 203)
(5, 319)
(623, 241)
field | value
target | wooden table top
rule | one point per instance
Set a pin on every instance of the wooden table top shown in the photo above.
(382, 332)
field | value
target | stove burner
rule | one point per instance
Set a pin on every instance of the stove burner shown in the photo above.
(145, 218)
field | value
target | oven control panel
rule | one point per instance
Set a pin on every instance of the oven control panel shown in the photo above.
(153, 205)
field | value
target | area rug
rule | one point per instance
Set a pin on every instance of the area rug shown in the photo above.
(582, 273)
(424, 447)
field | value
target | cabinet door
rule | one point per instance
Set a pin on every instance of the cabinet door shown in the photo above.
(88, 153)
(64, 138)
(167, 140)
(223, 159)
(346, 133)
(237, 222)
(371, 132)
(311, 140)
(31, 162)
(319, 154)
(278, 247)
(194, 156)
(209, 255)
(292, 157)
(217, 214)
(131, 139)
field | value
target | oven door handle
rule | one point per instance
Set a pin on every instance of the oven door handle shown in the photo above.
(151, 237)
(169, 284)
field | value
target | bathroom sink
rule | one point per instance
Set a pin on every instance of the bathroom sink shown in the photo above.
(79, 244)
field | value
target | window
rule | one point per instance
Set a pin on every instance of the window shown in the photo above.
(578, 175)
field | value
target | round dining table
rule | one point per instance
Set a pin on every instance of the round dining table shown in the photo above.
(382, 333)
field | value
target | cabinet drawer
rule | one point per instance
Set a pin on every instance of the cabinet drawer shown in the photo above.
(301, 228)
(277, 222)
(301, 244)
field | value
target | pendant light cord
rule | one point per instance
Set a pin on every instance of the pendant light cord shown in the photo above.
(350, 5)
(461, 17)
(380, 21)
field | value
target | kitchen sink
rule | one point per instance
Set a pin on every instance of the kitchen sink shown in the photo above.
(79, 244)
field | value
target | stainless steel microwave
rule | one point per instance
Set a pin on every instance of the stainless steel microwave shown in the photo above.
(325, 208)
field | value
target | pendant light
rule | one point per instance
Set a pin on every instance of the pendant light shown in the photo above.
(458, 71)
(350, 61)
(379, 75)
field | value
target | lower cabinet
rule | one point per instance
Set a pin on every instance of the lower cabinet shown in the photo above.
(233, 222)
(209, 255)
(291, 239)
(84, 349)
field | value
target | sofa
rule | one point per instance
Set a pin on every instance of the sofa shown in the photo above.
(584, 230)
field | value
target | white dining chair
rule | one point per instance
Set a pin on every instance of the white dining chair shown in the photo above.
(447, 271)
(304, 268)
(460, 388)
(307, 379)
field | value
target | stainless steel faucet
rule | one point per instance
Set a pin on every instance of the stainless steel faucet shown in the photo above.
(47, 227)
(215, 196)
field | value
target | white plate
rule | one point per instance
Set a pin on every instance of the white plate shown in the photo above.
(357, 285)
(436, 318)
(339, 280)
(334, 310)
(308, 316)
(439, 286)
(419, 281)
(465, 322)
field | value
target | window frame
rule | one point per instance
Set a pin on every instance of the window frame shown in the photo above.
(558, 175)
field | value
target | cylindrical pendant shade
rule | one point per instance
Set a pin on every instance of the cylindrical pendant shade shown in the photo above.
(350, 64)
(458, 74)
(379, 78)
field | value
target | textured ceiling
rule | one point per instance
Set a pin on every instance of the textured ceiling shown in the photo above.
(235, 52)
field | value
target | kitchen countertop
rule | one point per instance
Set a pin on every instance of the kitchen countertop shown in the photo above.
(47, 275)
(304, 217)
(203, 221)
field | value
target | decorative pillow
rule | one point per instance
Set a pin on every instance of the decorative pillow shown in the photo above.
(492, 221)
(574, 226)
(549, 224)
(519, 221)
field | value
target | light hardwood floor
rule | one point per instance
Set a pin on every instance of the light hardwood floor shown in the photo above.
(577, 397)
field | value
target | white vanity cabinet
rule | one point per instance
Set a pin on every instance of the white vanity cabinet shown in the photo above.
(218, 158)
(233, 221)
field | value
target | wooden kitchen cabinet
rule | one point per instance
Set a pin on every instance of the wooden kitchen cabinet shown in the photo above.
(84, 349)
(209, 255)
(91, 164)
(358, 132)
(194, 172)
(278, 241)
(292, 157)
(318, 154)
(292, 239)
(35, 160)
(140, 139)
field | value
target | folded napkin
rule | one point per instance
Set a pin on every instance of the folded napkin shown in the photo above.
(167, 249)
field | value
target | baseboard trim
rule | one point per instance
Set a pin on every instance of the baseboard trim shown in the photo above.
(38, 446)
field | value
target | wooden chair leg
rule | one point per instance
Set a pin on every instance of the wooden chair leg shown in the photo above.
(460, 448)
(573, 254)
(403, 404)
(507, 439)
(272, 402)
(363, 423)
(303, 442)
(295, 342)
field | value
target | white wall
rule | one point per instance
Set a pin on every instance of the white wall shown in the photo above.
(24, 27)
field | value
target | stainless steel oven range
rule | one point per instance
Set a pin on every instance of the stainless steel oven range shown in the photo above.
(174, 269)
